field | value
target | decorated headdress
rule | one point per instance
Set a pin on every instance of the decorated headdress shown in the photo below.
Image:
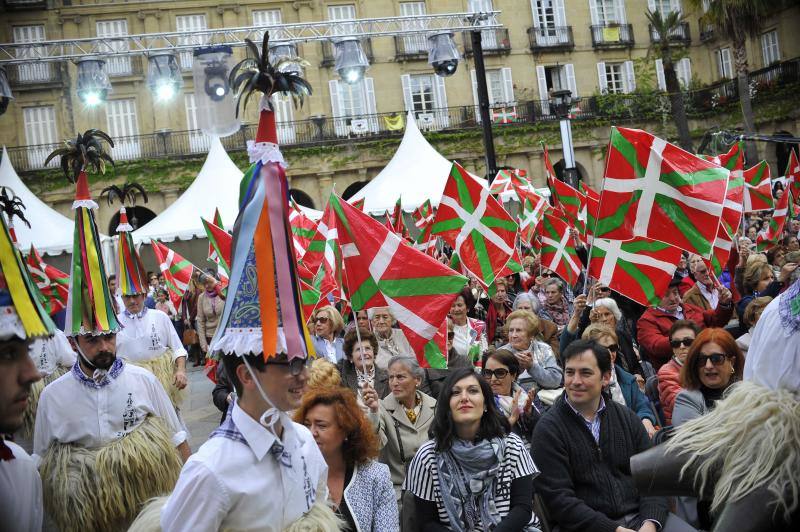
(263, 311)
(131, 275)
(22, 314)
(89, 305)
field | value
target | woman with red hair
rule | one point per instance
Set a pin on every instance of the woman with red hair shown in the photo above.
(359, 488)
(713, 364)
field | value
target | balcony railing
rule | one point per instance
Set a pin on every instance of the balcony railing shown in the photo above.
(494, 42)
(612, 35)
(410, 47)
(34, 74)
(553, 38)
(322, 130)
(328, 57)
(25, 4)
(679, 35)
(119, 67)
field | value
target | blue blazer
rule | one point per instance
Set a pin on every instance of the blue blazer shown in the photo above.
(322, 352)
(634, 397)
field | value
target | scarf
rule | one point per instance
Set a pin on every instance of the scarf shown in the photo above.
(491, 320)
(467, 479)
(789, 309)
(506, 402)
(558, 312)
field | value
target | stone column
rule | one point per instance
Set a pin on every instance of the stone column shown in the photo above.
(324, 187)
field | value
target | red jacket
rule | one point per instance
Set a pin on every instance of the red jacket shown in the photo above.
(653, 328)
(669, 384)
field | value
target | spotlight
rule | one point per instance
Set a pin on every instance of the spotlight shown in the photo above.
(163, 76)
(443, 55)
(93, 85)
(350, 62)
(213, 95)
(285, 51)
(5, 91)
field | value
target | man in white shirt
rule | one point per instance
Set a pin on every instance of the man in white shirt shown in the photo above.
(149, 339)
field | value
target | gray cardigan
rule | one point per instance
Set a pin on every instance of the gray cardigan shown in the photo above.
(689, 404)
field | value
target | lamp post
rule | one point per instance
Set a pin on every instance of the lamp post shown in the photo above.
(483, 106)
(561, 102)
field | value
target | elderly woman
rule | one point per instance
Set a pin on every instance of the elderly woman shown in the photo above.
(359, 488)
(469, 334)
(498, 309)
(622, 387)
(681, 336)
(501, 369)
(210, 304)
(713, 364)
(391, 342)
(327, 326)
(536, 360)
(474, 475)
(759, 280)
(402, 419)
(556, 307)
(358, 369)
(751, 316)
(548, 331)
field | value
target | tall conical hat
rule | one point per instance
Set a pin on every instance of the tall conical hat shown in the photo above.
(131, 275)
(89, 305)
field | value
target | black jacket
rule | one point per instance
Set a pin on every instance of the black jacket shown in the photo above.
(585, 486)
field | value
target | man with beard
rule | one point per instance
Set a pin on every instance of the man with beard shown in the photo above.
(105, 432)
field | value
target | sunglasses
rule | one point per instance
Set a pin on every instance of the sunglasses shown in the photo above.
(321, 319)
(716, 359)
(613, 348)
(451, 335)
(494, 374)
(603, 289)
(548, 275)
(685, 342)
(296, 365)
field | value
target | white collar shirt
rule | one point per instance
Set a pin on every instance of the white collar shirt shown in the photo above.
(49, 353)
(147, 335)
(20, 492)
(76, 409)
(712, 296)
(242, 484)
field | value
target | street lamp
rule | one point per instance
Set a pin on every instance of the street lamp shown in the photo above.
(5, 91)
(212, 92)
(163, 76)
(442, 54)
(561, 103)
(350, 62)
(93, 85)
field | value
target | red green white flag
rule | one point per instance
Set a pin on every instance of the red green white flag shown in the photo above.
(508, 180)
(378, 275)
(51, 282)
(639, 269)
(776, 223)
(654, 189)
(591, 206)
(722, 249)
(177, 271)
(303, 230)
(758, 182)
(331, 264)
(359, 203)
(423, 215)
(532, 208)
(221, 242)
(475, 225)
(557, 249)
(569, 200)
(793, 174)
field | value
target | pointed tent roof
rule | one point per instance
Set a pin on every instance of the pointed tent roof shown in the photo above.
(216, 186)
(51, 232)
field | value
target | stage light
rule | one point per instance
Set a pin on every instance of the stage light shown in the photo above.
(443, 55)
(93, 85)
(164, 76)
(350, 62)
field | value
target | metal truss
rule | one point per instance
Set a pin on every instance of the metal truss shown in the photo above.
(152, 43)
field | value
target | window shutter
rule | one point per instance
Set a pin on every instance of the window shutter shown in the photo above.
(726, 61)
(685, 72)
(372, 109)
(560, 14)
(442, 116)
(508, 85)
(573, 86)
(621, 11)
(660, 78)
(651, 5)
(408, 100)
(535, 13)
(474, 78)
(542, 79)
(595, 16)
(336, 106)
(630, 76)
(602, 80)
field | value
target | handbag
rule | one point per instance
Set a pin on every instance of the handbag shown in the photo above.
(190, 337)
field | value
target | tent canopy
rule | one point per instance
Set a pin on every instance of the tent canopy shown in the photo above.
(216, 186)
(51, 232)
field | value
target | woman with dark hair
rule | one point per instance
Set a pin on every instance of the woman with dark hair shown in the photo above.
(501, 369)
(359, 488)
(713, 364)
(469, 334)
(474, 475)
(358, 369)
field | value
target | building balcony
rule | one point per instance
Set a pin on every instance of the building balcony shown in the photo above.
(679, 36)
(24, 4)
(329, 58)
(125, 66)
(411, 48)
(493, 42)
(36, 75)
(555, 38)
(612, 36)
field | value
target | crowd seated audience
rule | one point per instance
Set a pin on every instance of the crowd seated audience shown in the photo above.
(538, 365)
(681, 336)
(391, 341)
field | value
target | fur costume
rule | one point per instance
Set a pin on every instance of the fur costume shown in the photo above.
(104, 488)
(29, 417)
(163, 368)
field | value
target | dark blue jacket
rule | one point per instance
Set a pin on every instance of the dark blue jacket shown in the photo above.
(634, 397)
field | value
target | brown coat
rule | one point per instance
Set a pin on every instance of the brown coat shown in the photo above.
(693, 296)
(209, 312)
(549, 335)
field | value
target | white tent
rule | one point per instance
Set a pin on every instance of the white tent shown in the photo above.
(51, 232)
(216, 186)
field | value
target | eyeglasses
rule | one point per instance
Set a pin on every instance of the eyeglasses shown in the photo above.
(685, 342)
(613, 348)
(296, 365)
(321, 319)
(716, 359)
(495, 374)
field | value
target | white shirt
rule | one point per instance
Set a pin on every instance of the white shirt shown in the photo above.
(462, 339)
(712, 296)
(74, 409)
(233, 482)
(49, 353)
(20, 492)
(147, 335)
